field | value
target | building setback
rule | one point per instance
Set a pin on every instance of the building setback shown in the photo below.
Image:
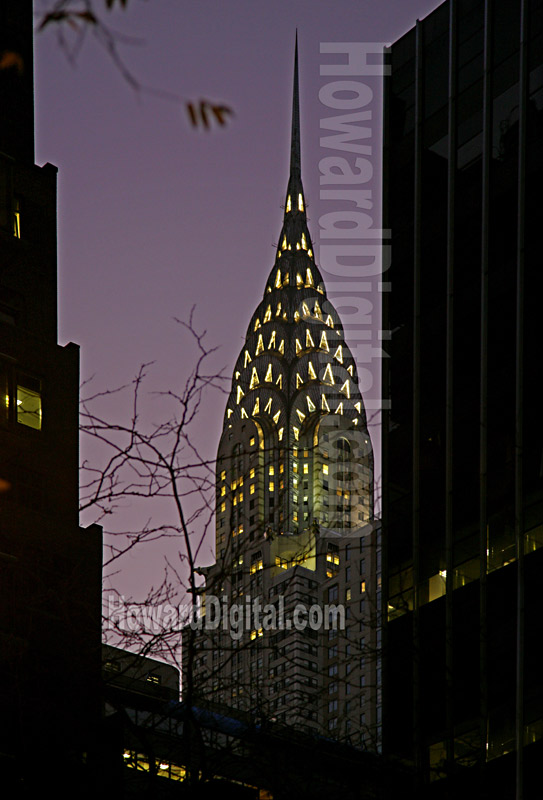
(463, 502)
(50, 568)
(294, 503)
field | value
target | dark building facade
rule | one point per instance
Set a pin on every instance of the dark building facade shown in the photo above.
(463, 439)
(294, 507)
(50, 568)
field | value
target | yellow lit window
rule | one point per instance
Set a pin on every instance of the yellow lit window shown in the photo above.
(259, 344)
(295, 466)
(252, 471)
(299, 280)
(325, 469)
(346, 388)
(271, 470)
(309, 339)
(223, 491)
(277, 415)
(278, 279)
(256, 407)
(298, 346)
(280, 433)
(324, 342)
(268, 407)
(301, 415)
(223, 475)
(252, 489)
(339, 409)
(289, 204)
(362, 586)
(324, 403)
(271, 486)
(241, 497)
(328, 377)
(257, 325)
(267, 315)
(300, 203)
(281, 562)
(17, 220)
(339, 354)
(304, 246)
(271, 343)
(239, 394)
(299, 381)
(329, 321)
(310, 404)
(254, 378)
(311, 372)
(282, 347)
(29, 411)
(306, 469)
(347, 594)
(317, 310)
(252, 441)
(223, 506)
(268, 378)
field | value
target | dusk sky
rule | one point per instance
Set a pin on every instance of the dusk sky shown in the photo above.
(155, 217)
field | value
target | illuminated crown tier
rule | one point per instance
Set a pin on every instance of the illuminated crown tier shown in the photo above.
(295, 375)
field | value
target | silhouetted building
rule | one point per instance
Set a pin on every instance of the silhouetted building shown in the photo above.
(463, 502)
(294, 510)
(50, 569)
(160, 748)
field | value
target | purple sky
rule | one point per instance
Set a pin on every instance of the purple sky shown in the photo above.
(154, 217)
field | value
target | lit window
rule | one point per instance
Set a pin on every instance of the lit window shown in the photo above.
(223, 475)
(29, 410)
(252, 441)
(281, 562)
(152, 677)
(362, 586)
(260, 344)
(306, 469)
(223, 491)
(252, 489)
(16, 218)
(289, 204)
(300, 203)
(271, 470)
(269, 375)
(223, 506)
(328, 377)
(271, 486)
(347, 594)
(325, 469)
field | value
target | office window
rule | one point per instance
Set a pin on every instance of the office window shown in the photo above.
(29, 411)
(16, 217)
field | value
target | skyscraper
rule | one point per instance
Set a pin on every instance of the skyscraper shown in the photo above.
(462, 447)
(294, 505)
(50, 568)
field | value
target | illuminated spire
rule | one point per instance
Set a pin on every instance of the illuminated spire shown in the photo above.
(295, 161)
(295, 235)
